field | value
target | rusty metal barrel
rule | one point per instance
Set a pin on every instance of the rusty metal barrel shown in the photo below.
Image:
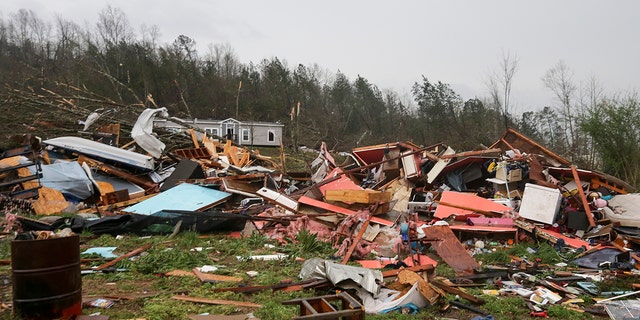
(47, 283)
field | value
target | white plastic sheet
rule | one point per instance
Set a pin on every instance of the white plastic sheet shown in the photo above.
(142, 132)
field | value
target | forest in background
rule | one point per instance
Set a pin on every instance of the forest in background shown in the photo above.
(54, 73)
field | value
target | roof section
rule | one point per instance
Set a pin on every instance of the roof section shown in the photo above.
(512, 139)
(229, 120)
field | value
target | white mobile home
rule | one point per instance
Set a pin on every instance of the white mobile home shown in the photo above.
(247, 133)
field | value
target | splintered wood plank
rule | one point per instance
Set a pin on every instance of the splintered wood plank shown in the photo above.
(244, 160)
(218, 301)
(210, 145)
(129, 254)
(450, 249)
(583, 198)
(339, 181)
(180, 273)
(459, 203)
(194, 138)
(554, 236)
(410, 277)
(354, 244)
(442, 284)
(208, 277)
(358, 196)
(333, 208)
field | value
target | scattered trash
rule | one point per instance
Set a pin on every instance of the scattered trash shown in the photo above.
(391, 200)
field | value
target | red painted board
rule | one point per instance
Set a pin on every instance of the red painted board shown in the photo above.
(424, 260)
(333, 208)
(464, 227)
(375, 264)
(492, 222)
(343, 183)
(465, 200)
(572, 242)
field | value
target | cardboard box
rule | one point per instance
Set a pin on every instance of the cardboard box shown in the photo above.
(510, 175)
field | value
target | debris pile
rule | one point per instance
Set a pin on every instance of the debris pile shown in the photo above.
(395, 205)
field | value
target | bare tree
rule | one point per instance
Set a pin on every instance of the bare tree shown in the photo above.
(113, 27)
(30, 32)
(224, 59)
(500, 82)
(150, 36)
(559, 79)
(69, 39)
(591, 95)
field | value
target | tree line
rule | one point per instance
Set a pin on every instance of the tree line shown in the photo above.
(54, 73)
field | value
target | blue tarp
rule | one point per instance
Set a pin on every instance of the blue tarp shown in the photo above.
(68, 178)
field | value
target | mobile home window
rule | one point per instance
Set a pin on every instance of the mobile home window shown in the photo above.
(211, 131)
(245, 134)
(272, 136)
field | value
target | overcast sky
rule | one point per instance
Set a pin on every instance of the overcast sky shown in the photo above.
(393, 43)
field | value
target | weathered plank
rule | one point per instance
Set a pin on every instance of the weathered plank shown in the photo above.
(358, 196)
(218, 301)
(450, 249)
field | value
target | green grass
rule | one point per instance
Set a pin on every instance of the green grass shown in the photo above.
(506, 307)
(145, 275)
(307, 245)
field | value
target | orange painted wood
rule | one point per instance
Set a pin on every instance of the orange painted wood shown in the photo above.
(583, 198)
(333, 208)
(458, 203)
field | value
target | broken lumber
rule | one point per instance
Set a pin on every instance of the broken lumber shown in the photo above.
(292, 286)
(583, 198)
(438, 283)
(146, 184)
(194, 139)
(471, 153)
(333, 208)
(209, 278)
(122, 257)
(394, 272)
(354, 244)
(117, 205)
(218, 301)
(451, 250)
(358, 196)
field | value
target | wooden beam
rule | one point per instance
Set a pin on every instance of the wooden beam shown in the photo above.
(122, 257)
(218, 301)
(192, 133)
(354, 244)
(419, 268)
(294, 286)
(471, 153)
(367, 196)
(485, 212)
(209, 278)
(147, 185)
(457, 291)
(116, 205)
(333, 208)
(583, 198)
